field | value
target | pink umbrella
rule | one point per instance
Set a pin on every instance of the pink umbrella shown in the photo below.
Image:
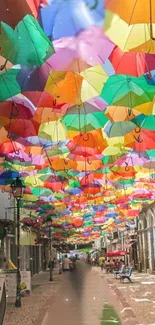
(131, 159)
(37, 160)
(116, 253)
(89, 48)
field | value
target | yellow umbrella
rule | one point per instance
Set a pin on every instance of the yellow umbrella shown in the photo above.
(135, 38)
(53, 131)
(33, 181)
(112, 151)
(29, 197)
(92, 85)
(147, 108)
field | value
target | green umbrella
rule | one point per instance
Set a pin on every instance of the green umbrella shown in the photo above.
(9, 86)
(119, 129)
(84, 120)
(149, 123)
(27, 44)
(151, 153)
(41, 191)
(73, 183)
(128, 91)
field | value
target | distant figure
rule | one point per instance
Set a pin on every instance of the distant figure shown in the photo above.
(66, 264)
(101, 262)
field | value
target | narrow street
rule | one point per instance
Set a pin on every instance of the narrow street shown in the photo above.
(80, 299)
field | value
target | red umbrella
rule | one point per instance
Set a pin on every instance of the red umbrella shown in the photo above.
(116, 253)
(131, 63)
(11, 12)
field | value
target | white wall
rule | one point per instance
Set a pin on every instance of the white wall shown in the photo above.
(6, 203)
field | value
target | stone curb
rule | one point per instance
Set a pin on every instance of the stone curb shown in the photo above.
(127, 312)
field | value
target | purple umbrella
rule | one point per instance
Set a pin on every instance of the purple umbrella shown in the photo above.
(33, 79)
(89, 48)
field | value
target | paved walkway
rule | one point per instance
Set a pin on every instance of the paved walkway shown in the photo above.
(80, 299)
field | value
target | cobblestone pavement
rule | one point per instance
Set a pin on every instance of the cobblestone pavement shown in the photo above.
(35, 306)
(138, 297)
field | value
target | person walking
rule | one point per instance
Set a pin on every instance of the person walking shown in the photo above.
(66, 263)
(101, 262)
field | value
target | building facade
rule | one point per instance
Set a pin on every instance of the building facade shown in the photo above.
(146, 239)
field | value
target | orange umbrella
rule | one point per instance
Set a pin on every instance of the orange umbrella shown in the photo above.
(65, 87)
(45, 114)
(93, 139)
(89, 166)
(121, 113)
(133, 11)
(63, 164)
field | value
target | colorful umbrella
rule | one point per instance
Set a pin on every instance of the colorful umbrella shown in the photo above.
(79, 53)
(38, 48)
(67, 18)
(9, 85)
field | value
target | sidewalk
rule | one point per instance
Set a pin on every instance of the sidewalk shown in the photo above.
(138, 297)
(34, 306)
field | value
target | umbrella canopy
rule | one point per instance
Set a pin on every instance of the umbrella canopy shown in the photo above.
(68, 18)
(136, 37)
(131, 63)
(135, 12)
(9, 85)
(38, 48)
(84, 119)
(11, 14)
(116, 253)
(80, 52)
(124, 90)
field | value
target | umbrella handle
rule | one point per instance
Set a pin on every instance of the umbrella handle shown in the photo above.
(3, 66)
(139, 129)
(86, 139)
(35, 181)
(151, 23)
(138, 139)
(90, 163)
(127, 167)
(17, 110)
(17, 152)
(54, 102)
(93, 7)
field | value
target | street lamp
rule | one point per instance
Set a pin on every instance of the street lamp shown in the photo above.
(49, 224)
(17, 191)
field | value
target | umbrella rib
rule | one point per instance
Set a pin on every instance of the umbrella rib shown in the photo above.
(133, 11)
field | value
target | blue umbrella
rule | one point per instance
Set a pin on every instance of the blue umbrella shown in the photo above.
(111, 215)
(64, 18)
(7, 177)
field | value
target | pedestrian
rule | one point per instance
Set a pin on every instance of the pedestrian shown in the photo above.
(66, 263)
(101, 262)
